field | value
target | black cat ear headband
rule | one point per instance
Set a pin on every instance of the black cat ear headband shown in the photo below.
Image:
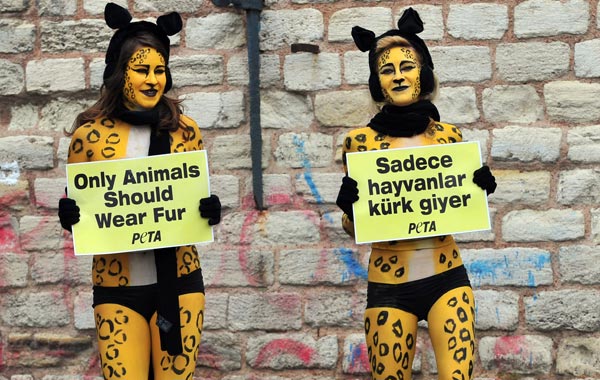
(119, 18)
(409, 26)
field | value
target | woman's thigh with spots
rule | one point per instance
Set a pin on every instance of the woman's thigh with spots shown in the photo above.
(451, 323)
(391, 337)
(182, 366)
(123, 342)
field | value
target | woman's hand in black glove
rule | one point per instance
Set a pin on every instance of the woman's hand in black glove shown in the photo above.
(347, 196)
(68, 213)
(483, 178)
(210, 208)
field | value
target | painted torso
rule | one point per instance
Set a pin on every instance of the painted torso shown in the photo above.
(402, 261)
(111, 139)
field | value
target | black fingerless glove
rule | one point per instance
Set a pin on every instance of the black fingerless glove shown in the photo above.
(210, 208)
(68, 213)
(347, 196)
(483, 178)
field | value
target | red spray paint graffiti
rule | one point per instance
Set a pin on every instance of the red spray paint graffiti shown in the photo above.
(285, 347)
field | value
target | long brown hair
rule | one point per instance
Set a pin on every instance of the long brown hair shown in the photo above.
(111, 92)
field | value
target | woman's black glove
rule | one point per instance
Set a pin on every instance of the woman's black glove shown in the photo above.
(68, 213)
(210, 208)
(483, 178)
(347, 196)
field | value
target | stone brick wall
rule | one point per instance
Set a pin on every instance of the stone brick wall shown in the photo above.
(286, 287)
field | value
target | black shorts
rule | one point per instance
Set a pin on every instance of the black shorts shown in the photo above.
(143, 299)
(416, 297)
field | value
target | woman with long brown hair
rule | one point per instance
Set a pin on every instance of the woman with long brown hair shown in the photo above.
(148, 305)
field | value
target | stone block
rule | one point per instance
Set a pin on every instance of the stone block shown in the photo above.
(517, 104)
(310, 72)
(344, 108)
(376, 19)
(508, 267)
(572, 101)
(215, 31)
(281, 28)
(31, 152)
(457, 105)
(356, 67)
(459, 64)
(276, 228)
(579, 186)
(270, 70)
(234, 152)
(55, 75)
(304, 150)
(197, 70)
(16, 36)
(559, 310)
(498, 310)
(13, 270)
(222, 110)
(516, 354)
(337, 266)
(88, 36)
(477, 21)
(221, 350)
(12, 78)
(578, 264)
(548, 225)
(584, 145)
(536, 18)
(285, 110)
(335, 308)
(578, 356)
(243, 267)
(318, 188)
(34, 309)
(526, 143)
(265, 311)
(532, 61)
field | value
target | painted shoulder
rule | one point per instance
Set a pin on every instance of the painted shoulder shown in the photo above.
(188, 121)
(444, 133)
(100, 139)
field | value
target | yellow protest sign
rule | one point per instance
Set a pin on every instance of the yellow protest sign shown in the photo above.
(139, 203)
(417, 192)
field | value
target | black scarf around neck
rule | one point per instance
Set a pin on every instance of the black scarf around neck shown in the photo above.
(165, 259)
(405, 121)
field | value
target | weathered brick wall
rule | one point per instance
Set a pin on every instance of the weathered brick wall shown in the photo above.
(285, 287)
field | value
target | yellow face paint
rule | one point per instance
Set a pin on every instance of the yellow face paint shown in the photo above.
(399, 75)
(145, 79)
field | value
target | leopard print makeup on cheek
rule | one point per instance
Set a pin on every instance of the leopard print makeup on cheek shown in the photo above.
(145, 79)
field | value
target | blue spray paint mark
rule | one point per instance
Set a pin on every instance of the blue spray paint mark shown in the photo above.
(307, 170)
(482, 269)
(540, 261)
(356, 352)
(353, 266)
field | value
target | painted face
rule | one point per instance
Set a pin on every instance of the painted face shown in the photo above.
(400, 75)
(145, 79)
